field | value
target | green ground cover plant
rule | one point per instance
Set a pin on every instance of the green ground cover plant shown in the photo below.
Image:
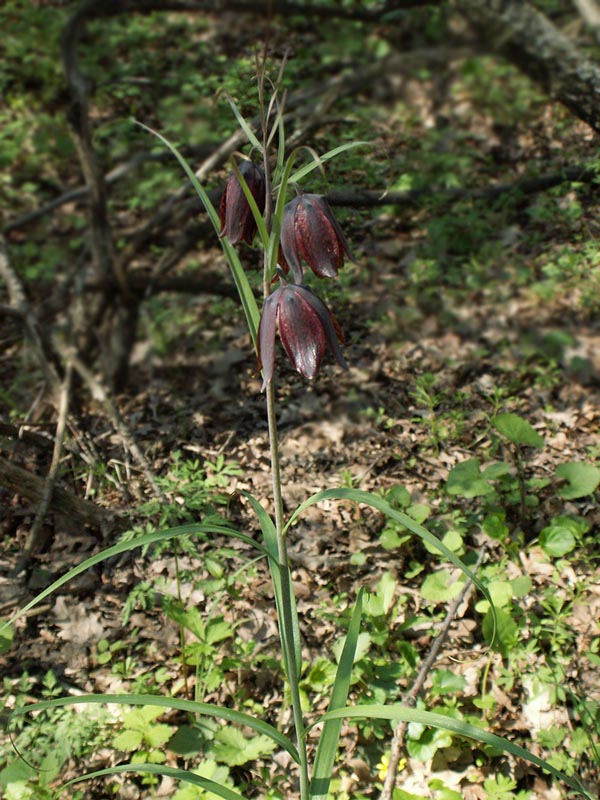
(475, 419)
(291, 232)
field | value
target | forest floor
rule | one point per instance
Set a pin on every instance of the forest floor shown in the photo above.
(445, 329)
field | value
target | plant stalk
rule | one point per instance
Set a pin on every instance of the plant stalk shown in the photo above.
(287, 592)
(287, 628)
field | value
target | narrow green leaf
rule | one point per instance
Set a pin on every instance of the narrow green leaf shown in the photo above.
(243, 123)
(189, 706)
(282, 586)
(398, 712)
(275, 127)
(312, 165)
(206, 527)
(267, 525)
(256, 212)
(160, 769)
(375, 501)
(505, 632)
(247, 298)
(244, 290)
(7, 634)
(330, 735)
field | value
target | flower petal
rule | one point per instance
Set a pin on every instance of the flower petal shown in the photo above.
(266, 336)
(330, 326)
(288, 241)
(316, 238)
(337, 227)
(300, 332)
(237, 220)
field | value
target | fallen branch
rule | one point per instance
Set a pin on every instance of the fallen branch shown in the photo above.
(81, 192)
(23, 483)
(590, 11)
(285, 8)
(368, 198)
(529, 40)
(22, 434)
(32, 541)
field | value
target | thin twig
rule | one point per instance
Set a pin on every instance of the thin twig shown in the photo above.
(20, 304)
(99, 393)
(42, 509)
(81, 192)
(419, 682)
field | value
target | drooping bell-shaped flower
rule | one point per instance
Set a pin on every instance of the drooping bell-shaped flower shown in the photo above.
(310, 231)
(237, 221)
(307, 328)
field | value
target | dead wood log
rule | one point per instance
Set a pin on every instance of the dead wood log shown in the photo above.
(528, 39)
(24, 483)
(359, 13)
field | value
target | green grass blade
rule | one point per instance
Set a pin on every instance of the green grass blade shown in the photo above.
(267, 525)
(161, 769)
(328, 742)
(206, 527)
(312, 165)
(239, 276)
(282, 584)
(243, 123)
(179, 704)
(201, 191)
(398, 713)
(373, 500)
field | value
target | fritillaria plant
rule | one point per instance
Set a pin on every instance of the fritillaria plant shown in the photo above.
(293, 232)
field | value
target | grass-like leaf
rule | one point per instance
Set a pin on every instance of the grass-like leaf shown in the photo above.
(373, 500)
(398, 712)
(280, 574)
(161, 769)
(207, 527)
(243, 123)
(316, 162)
(328, 742)
(242, 284)
(179, 704)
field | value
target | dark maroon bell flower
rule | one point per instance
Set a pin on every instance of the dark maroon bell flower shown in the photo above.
(310, 231)
(306, 328)
(237, 221)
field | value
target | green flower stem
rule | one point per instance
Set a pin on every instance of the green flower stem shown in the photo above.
(287, 627)
(286, 587)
